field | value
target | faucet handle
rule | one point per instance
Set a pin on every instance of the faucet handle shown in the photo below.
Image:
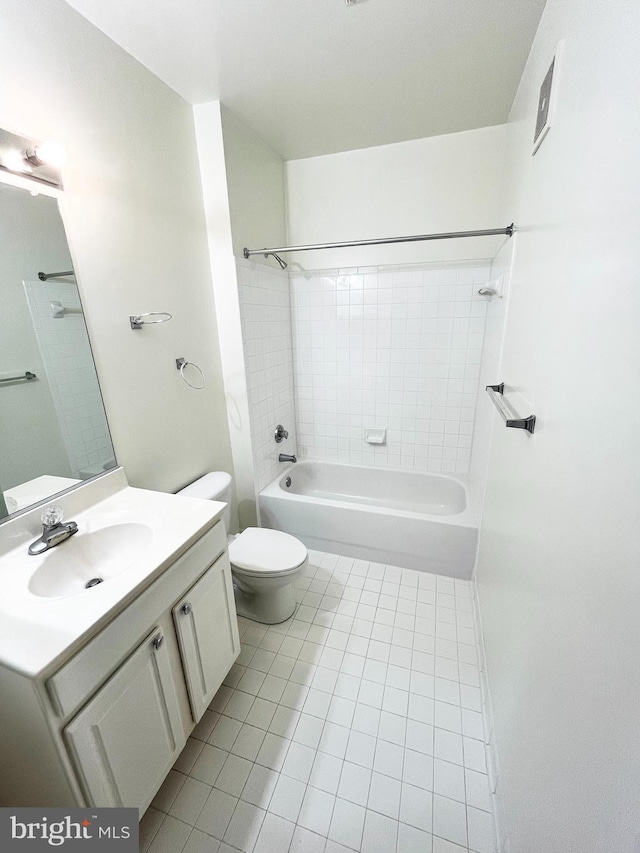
(52, 515)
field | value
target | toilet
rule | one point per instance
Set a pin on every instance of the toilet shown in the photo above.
(264, 563)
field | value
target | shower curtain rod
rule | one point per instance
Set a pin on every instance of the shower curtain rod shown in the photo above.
(449, 235)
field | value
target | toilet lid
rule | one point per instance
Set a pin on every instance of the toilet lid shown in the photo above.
(260, 550)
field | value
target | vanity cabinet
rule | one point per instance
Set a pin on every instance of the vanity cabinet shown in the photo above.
(207, 635)
(127, 736)
(105, 726)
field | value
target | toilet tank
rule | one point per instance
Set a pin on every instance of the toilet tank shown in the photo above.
(214, 486)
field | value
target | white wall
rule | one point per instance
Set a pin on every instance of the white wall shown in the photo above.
(255, 184)
(133, 210)
(560, 547)
(444, 183)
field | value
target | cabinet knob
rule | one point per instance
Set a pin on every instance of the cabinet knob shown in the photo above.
(157, 642)
(186, 608)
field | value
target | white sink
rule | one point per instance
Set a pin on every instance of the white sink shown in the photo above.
(87, 559)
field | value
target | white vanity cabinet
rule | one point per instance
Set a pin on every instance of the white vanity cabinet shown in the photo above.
(207, 634)
(105, 726)
(126, 738)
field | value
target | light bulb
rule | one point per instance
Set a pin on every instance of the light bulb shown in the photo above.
(14, 161)
(50, 153)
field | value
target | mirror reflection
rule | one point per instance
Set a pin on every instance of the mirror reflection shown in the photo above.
(53, 427)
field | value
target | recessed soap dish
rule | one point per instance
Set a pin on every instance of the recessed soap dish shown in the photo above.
(375, 436)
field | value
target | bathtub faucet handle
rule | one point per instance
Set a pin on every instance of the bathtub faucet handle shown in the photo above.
(280, 434)
(286, 457)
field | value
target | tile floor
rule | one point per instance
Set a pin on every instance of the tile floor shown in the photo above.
(355, 725)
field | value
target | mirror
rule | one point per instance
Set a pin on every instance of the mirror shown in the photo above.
(53, 427)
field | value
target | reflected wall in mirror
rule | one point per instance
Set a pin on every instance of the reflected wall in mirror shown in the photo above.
(53, 427)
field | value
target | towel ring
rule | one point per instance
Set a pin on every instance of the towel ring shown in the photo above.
(181, 363)
(137, 320)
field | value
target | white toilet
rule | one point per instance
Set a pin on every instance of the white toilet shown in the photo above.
(264, 563)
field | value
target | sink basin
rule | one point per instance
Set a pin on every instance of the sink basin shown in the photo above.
(86, 560)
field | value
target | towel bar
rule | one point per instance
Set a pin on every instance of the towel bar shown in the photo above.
(509, 416)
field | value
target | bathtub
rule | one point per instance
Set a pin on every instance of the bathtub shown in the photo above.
(401, 518)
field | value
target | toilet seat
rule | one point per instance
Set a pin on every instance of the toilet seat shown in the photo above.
(262, 552)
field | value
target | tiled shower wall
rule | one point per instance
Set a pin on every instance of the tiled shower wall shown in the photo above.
(396, 348)
(265, 312)
(66, 353)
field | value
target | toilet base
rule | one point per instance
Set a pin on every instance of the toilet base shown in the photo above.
(267, 608)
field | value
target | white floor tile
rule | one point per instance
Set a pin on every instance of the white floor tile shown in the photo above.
(388, 759)
(305, 841)
(216, 814)
(190, 801)
(247, 744)
(326, 772)
(308, 731)
(474, 755)
(208, 764)
(287, 798)
(261, 714)
(200, 842)
(354, 784)
(244, 828)
(366, 719)
(384, 795)
(441, 845)
(481, 831)
(299, 762)
(477, 788)
(224, 733)
(417, 769)
(448, 746)
(171, 837)
(416, 807)
(361, 749)
(448, 780)
(334, 739)
(233, 775)
(392, 728)
(170, 789)
(273, 751)
(284, 722)
(413, 840)
(364, 722)
(347, 824)
(259, 786)
(380, 834)
(341, 711)
(149, 826)
(316, 811)
(450, 820)
(275, 835)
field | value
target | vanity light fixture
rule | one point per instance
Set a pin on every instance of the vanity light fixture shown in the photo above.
(26, 162)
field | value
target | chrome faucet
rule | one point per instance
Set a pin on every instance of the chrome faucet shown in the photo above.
(286, 457)
(53, 530)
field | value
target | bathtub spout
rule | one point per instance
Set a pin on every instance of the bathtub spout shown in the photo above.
(286, 457)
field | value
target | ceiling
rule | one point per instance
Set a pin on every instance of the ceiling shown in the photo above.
(319, 76)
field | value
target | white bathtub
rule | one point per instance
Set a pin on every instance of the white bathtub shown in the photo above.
(401, 518)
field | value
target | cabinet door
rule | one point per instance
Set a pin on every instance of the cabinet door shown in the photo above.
(127, 737)
(207, 630)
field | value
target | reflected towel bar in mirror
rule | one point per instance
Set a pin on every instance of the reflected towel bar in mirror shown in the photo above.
(44, 276)
(509, 416)
(22, 377)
